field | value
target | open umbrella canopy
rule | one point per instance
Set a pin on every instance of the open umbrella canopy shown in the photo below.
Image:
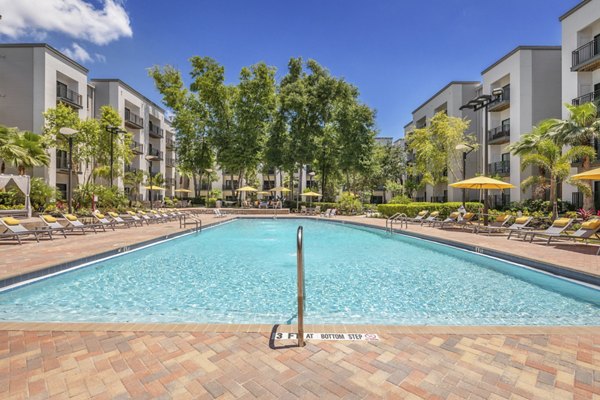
(482, 182)
(247, 189)
(311, 194)
(153, 187)
(183, 191)
(591, 175)
(281, 189)
(264, 193)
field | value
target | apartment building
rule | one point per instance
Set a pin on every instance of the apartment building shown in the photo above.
(449, 100)
(581, 74)
(146, 121)
(530, 79)
(33, 78)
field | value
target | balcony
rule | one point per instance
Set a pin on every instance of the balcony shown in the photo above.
(133, 120)
(228, 185)
(171, 161)
(501, 102)
(169, 182)
(156, 131)
(500, 134)
(268, 185)
(586, 57)
(500, 201)
(130, 168)
(586, 98)
(170, 144)
(157, 153)
(68, 96)
(501, 168)
(137, 148)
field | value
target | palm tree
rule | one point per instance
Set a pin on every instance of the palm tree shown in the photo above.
(9, 146)
(548, 155)
(34, 155)
(134, 180)
(582, 127)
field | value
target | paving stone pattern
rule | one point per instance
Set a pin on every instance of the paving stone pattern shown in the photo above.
(122, 365)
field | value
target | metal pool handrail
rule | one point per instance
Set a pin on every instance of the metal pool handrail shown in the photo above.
(403, 218)
(300, 268)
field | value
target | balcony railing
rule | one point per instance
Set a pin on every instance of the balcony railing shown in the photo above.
(586, 98)
(501, 102)
(501, 168)
(133, 120)
(419, 199)
(268, 185)
(68, 96)
(500, 134)
(171, 161)
(156, 152)
(155, 131)
(130, 168)
(230, 186)
(439, 199)
(137, 148)
(586, 57)
(170, 182)
(170, 144)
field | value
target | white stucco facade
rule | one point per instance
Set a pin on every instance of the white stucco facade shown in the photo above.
(530, 77)
(580, 65)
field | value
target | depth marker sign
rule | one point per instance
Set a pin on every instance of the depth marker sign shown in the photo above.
(369, 337)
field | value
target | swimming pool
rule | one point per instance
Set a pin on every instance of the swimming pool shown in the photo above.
(244, 272)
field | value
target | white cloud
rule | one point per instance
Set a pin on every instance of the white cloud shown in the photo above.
(78, 19)
(100, 58)
(77, 53)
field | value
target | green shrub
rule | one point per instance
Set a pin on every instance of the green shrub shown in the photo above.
(412, 209)
(108, 198)
(212, 202)
(349, 204)
(42, 195)
(168, 202)
(400, 200)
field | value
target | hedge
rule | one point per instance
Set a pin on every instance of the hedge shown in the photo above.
(412, 209)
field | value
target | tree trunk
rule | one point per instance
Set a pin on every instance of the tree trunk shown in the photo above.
(21, 170)
(553, 197)
(588, 200)
(196, 188)
(2, 167)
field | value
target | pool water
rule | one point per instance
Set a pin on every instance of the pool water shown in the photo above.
(245, 272)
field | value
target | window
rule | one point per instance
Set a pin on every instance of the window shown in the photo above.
(62, 161)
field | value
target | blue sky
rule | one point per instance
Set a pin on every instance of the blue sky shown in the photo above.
(398, 52)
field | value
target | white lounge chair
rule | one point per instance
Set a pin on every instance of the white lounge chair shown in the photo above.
(75, 223)
(102, 220)
(52, 224)
(15, 230)
(498, 224)
(219, 213)
(117, 219)
(558, 227)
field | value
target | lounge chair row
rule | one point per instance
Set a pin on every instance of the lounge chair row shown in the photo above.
(14, 229)
(520, 226)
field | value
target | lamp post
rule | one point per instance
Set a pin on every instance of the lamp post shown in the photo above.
(113, 130)
(466, 149)
(69, 132)
(150, 159)
(482, 103)
(312, 175)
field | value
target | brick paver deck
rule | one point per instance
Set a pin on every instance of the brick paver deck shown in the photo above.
(39, 361)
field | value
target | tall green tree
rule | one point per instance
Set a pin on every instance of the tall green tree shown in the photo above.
(549, 156)
(580, 129)
(435, 148)
(9, 146)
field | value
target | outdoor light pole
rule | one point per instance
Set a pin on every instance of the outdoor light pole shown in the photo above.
(482, 103)
(151, 158)
(69, 132)
(469, 149)
(208, 172)
(112, 130)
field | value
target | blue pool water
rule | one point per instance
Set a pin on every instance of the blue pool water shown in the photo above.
(244, 272)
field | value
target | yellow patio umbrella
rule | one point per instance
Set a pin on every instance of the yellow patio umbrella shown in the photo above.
(264, 192)
(247, 189)
(482, 182)
(281, 189)
(311, 194)
(182, 191)
(591, 175)
(153, 187)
